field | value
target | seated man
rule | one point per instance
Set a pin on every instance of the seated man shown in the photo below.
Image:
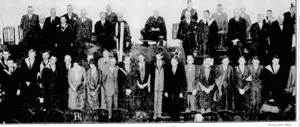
(155, 28)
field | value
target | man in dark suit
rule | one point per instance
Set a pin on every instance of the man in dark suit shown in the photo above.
(84, 27)
(51, 24)
(71, 17)
(111, 16)
(41, 34)
(104, 32)
(288, 27)
(174, 88)
(28, 25)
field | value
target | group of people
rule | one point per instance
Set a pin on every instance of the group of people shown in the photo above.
(250, 75)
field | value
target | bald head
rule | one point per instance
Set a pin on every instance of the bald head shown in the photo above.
(120, 16)
(53, 12)
(83, 13)
(108, 8)
(156, 13)
(41, 18)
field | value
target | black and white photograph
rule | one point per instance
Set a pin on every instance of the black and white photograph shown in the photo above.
(149, 62)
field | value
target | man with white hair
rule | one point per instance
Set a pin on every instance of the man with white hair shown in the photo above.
(122, 30)
(236, 36)
(84, 27)
(258, 32)
(51, 24)
(155, 28)
(111, 16)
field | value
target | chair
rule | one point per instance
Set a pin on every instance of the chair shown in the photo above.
(74, 116)
(226, 115)
(120, 115)
(211, 116)
(9, 35)
(55, 116)
(20, 32)
(175, 28)
(102, 115)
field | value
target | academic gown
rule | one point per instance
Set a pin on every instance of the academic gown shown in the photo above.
(127, 80)
(274, 84)
(187, 33)
(236, 30)
(10, 84)
(153, 22)
(276, 37)
(207, 37)
(51, 31)
(104, 34)
(50, 84)
(64, 39)
(126, 36)
(29, 74)
(260, 43)
(288, 30)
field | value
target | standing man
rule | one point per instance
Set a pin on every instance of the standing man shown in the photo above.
(222, 22)
(189, 8)
(258, 32)
(111, 16)
(71, 17)
(122, 33)
(246, 17)
(41, 34)
(208, 35)
(288, 27)
(103, 30)
(174, 88)
(236, 36)
(51, 24)
(155, 28)
(28, 25)
(84, 27)
(187, 33)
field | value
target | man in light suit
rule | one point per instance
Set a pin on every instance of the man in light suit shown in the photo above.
(28, 25)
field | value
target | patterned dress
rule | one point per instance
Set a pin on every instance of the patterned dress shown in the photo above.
(93, 85)
(78, 80)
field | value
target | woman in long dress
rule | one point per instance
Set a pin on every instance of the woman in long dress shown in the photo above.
(77, 81)
(256, 87)
(93, 84)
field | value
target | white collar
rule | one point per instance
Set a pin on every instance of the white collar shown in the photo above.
(210, 20)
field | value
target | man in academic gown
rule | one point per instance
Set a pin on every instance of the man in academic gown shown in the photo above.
(174, 88)
(29, 69)
(288, 27)
(259, 35)
(275, 33)
(123, 25)
(64, 39)
(110, 16)
(187, 33)
(51, 24)
(155, 28)
(274, 79)
(10, 85)
(28, 25)
(207, 35)
(189, 8)
(104, 32)
(236, 36)
(83, 28)
(71, 17)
